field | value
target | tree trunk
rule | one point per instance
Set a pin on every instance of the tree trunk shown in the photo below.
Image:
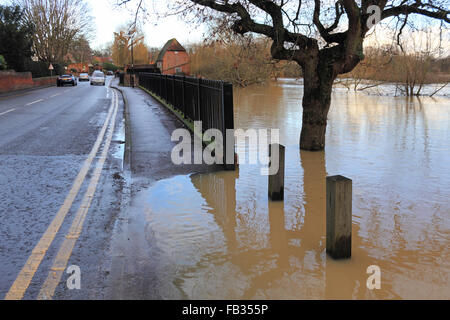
(318, 84)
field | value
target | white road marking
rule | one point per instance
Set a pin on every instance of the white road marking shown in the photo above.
(11, 110)
(55, 95)
(29, 104)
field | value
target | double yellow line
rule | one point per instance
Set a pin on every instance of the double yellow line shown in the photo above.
(23, 280)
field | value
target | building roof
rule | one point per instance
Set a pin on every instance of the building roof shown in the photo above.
(171, 45)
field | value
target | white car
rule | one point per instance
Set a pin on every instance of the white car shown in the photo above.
(98, 77)
(83, 77)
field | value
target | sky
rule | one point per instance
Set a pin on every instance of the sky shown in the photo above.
(108, 18)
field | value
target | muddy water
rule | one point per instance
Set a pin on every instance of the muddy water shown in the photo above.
(217, 236)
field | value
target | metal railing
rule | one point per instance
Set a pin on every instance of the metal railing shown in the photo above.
(121, 78)
(208, 101)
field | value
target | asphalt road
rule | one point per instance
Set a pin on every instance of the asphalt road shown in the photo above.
(60, 183)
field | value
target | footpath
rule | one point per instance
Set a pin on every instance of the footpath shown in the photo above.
(149, 129)
(149, 126)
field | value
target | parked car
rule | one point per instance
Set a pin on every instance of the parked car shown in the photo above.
(66, 79)
(83, 77)
(98, 77)
(110, 73)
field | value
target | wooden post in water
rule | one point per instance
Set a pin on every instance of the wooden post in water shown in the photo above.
(339, 217)
(276, 181)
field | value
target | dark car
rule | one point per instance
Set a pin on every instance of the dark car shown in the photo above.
(66, 79)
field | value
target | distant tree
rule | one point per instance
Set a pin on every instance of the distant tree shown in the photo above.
(15, 37)
(121, 48)
(226, 56)
(80, 49)
(95, 62)
(120, 52)
(3, 64)
(57, 23)
(140, 53)
(109, 66)
(153, 54)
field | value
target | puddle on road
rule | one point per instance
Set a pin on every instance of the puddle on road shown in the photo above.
(216, 236)
(118, 142)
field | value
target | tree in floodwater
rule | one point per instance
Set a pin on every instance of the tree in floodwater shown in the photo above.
(331, 44)
(324, 37)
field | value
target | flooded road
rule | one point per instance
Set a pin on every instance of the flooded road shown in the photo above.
(217, 236)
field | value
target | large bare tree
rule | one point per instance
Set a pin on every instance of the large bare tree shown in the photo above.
(80, 49)
(324, 37)
(57, 23)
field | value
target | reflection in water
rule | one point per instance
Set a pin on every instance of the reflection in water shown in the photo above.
(218, 236)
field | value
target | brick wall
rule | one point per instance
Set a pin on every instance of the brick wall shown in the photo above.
(80, 67)
(171, 60)
(13, 81)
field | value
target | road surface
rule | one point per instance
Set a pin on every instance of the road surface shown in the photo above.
(60, 182)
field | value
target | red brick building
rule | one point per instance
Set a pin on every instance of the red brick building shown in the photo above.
(80, 67)
(173, 59)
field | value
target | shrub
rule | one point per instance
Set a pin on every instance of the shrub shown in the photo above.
(40, 69)
(109, 66)
(3, 64)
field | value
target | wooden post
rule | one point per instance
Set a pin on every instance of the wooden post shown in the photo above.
(339, 217)
(276, 181)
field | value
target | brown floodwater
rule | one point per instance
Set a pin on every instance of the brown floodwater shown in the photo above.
(217, 236)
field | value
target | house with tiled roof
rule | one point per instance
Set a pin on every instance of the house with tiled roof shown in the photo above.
(173, 59)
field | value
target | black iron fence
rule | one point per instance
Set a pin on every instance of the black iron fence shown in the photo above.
(208, 101)
(121, 78)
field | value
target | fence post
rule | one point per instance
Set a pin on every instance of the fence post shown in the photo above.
(199, 100)
(165, 87)
(339, 217)
(173, 93)
(183, 104)
(228, 126)
(276, 181)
